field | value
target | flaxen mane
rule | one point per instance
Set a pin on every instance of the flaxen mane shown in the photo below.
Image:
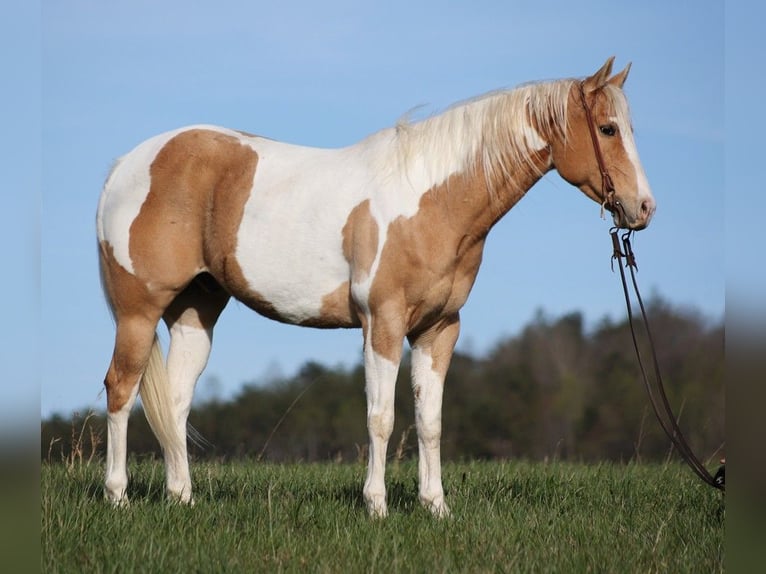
(493, 130)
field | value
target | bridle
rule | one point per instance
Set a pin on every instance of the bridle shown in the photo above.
(662, 409)
(608, 199)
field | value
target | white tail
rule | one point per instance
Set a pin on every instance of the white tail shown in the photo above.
(158, 404)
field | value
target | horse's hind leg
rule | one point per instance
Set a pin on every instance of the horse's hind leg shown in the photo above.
(190, 320)
(137, 309)
(133, 344)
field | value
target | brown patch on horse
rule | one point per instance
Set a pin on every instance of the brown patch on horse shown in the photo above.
(439, 342)
(430, 260)
(200, 182)
(125, 292)
(337, 310)
(136, 310)
(427, 266)
(360, 241)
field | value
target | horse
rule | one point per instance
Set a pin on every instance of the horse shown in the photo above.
(385, 235)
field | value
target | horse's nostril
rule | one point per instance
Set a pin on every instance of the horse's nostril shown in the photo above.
(646, 207)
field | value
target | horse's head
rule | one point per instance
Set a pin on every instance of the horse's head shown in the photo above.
(598, 124)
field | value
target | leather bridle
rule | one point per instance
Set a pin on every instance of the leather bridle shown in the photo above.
(608, 199)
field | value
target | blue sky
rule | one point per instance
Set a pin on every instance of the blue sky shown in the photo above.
(328, 74)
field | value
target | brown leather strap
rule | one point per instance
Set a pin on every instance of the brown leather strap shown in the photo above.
(663, 411)
(607, 186)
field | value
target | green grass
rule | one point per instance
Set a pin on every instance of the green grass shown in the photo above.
(507, 517)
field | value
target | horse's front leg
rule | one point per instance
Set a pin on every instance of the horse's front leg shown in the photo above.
(431, 354)
(382, 355)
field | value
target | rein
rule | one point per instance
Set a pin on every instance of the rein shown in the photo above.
(662, 409)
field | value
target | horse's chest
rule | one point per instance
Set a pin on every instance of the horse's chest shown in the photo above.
(432, 280)
(450, 290)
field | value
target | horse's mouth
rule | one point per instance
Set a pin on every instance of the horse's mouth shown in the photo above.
(619, 216)
(621, 219)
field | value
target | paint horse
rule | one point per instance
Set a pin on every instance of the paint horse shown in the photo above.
(386, 235)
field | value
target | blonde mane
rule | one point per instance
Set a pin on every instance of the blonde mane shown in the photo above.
(494, 130)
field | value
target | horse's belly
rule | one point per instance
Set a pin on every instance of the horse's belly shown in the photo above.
(331, 309)
(299, 304)
(295, 272)
(290, 239)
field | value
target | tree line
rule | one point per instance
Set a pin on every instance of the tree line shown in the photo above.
(554, 391)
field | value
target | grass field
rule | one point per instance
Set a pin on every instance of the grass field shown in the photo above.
(507, 517)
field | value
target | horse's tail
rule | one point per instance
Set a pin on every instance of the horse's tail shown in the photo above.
(158, 403)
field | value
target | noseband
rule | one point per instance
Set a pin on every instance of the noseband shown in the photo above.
(607, 186)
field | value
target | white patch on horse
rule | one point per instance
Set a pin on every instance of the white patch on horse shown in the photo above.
(289, 244)
(622, 119)
(428, 388)
(116, 480)
(380, 374)
(293, 265)
(124, 193)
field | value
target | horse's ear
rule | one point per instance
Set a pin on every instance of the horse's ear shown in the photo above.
(599, 79)
(618, 80)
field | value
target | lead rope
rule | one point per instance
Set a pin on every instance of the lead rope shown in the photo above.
(672, 429)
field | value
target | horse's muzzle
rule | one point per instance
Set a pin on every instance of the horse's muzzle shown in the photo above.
(635, 221)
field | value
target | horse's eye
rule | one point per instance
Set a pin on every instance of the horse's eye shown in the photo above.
(608, 129)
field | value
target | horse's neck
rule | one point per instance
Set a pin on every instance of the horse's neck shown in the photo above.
(488, 200)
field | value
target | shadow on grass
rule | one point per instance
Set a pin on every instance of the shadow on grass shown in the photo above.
(401, 495)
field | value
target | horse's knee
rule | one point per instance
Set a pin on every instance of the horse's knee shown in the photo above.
(380, 425)
(119, 389)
